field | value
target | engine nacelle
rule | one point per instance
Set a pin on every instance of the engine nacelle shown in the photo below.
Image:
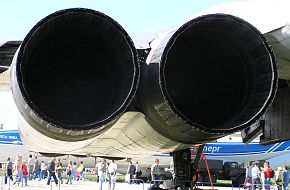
(74, 74)
(212, 76)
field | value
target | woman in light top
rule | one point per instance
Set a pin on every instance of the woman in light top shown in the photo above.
(69, 172)
(279, 178)
(18, 170)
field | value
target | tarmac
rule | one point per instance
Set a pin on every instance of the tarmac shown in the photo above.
(86, 185)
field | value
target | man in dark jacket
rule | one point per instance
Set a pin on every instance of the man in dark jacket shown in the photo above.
(131, 170)
(51, 172)
(8, 174)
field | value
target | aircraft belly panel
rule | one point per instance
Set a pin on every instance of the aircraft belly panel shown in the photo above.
(130, 136)
(134, 137)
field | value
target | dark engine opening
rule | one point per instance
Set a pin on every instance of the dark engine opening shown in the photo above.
(78, 69)
(217, 72)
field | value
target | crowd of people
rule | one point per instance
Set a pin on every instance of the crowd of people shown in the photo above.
(260, 177)
(133, 173)
(106, 172)
(21, 171)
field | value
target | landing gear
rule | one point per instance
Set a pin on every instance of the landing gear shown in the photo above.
(184, 169)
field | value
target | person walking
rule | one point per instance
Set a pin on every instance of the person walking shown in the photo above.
(69, 172)
(256, 176)
(59, 170)
(74, 171)
(112, 170)
(138, 172)
(285, 177)
(107, 175)
(267, 175)
(18, 169)
(31, 164)
(279, 178)
(8, 173)
(101, 168)
(80, 171)
(51, 172)
(43, 170)
(36, 168)
(155, 173)
(131, 171)
(24, 172)
(248, 179)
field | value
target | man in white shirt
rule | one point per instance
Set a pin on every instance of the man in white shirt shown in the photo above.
(112, 169)
(256, 176)
(155, 173)
(31, 164)
(101, 168)
(138, 172)
(43, 170)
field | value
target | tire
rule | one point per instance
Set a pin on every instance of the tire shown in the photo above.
(201, 178)
(240, 181)
(213, 178)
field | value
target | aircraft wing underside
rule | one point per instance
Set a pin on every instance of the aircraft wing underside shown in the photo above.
(279, 40)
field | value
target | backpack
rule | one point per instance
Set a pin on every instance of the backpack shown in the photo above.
(272, 174)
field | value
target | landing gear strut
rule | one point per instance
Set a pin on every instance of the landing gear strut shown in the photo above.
(184, 169)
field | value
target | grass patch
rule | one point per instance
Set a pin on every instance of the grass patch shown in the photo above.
(224, 181)
(93, 177)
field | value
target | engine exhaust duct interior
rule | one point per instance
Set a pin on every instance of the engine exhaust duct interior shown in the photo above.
(75, 73)
(217, 74)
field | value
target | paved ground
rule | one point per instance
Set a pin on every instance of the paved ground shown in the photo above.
(87, 185)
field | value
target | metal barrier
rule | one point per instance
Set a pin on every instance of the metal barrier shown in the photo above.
(159, 180)
(2, 179)
(22, 179)
(135, 180)
(9, 183)
(214, 184)
(191, 182)
(52, 181)
(58, 184)
(258, 186)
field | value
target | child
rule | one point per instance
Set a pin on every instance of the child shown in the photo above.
(113, 181)
(248, 183)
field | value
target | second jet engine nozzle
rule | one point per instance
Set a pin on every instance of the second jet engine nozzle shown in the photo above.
(75, 73)
(217, 75)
